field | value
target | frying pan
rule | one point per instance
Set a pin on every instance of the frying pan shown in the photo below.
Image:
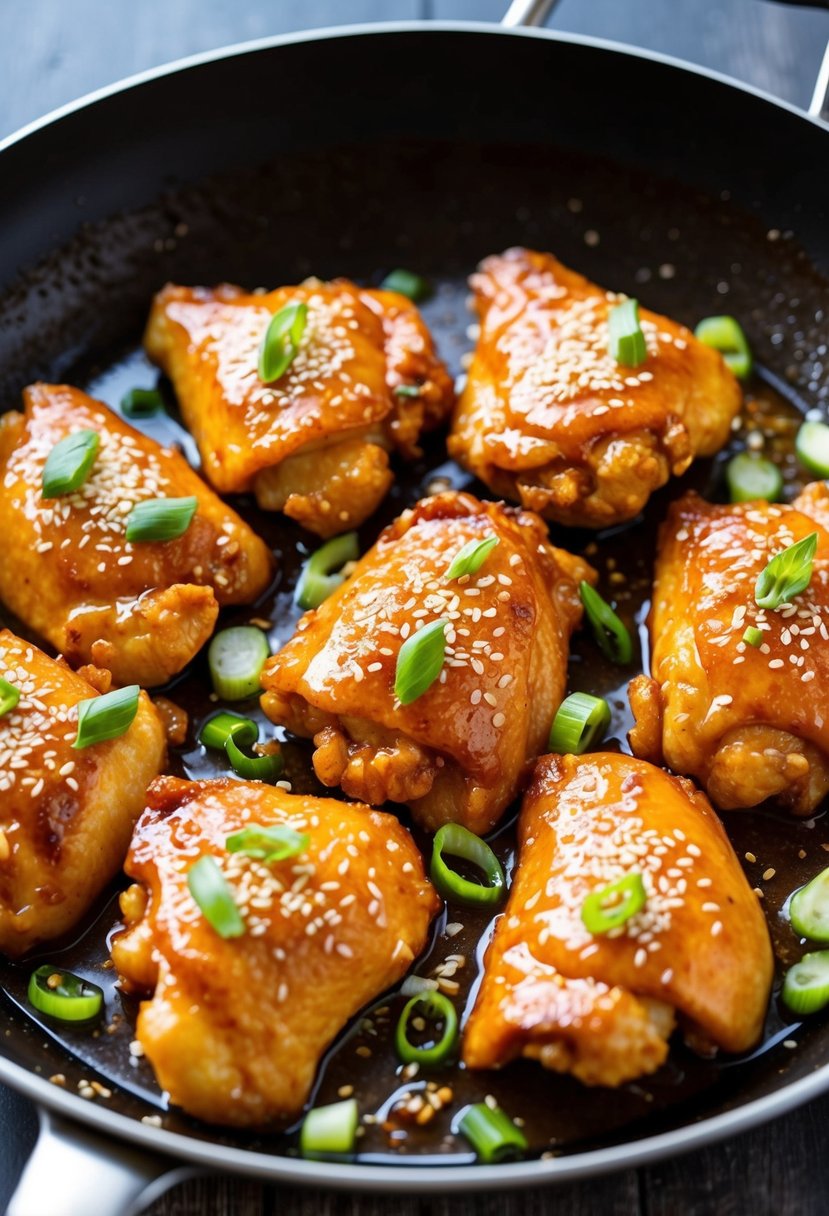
(349, 151)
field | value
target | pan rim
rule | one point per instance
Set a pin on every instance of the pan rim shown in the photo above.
(383, 28)
(408, 1177)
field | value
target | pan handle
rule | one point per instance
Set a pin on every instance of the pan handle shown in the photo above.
(819, 106)
(527, 12)
(73, 1171)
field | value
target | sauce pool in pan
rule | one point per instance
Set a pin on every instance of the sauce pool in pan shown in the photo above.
(557, 1113)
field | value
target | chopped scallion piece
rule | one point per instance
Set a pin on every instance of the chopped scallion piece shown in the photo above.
(160, 519)
(62, 995)
(322, 572)
(457, 841)
(408, 284)
(419, 661)
(69, 463)
(492, 1133)
(141, 403)
(812, 447)
(210, 890)
(266, 767)
(106, 717)
(753, 477)
(330, 1130)
(268, 842)
(281, 341)
(627, 341)
(436, 1008)
(726, 335)
(236, 657)
(216, 730)
(806, 986)
(580, 723)
(612, 638)
(614, 904)
(809, 909)
(753, 636)
(470, 557)
(407, 390)
(787, 574)
(9, 696)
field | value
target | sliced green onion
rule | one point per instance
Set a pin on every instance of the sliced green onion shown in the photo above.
(216, 730)
(408, 284)
(266, 767)
(9, 696)
(106, 717)
(806, 986)
(322, 572)
(580, 723)
(470, 557)
(492, 1133)
(611, 636)
(627, 341)
(160, 519)
(236, 657)
(614, 904)
(726, 335)
(459, 842)
(281, 341)
(809, 909)
(407, 390)
(812, 447)
(753, 636)
(752, 477)
(273, 842)
(787, 574)
(141, 403)
(419, 661)
(60, 994)
(210, 890)
(434, 1007)
(69, 463)
(330, 1130)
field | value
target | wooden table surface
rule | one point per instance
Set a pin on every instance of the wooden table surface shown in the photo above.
(52, 51)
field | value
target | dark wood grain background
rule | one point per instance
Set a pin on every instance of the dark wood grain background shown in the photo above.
(52, 51)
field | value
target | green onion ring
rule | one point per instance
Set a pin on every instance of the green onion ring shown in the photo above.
(438, 1008)
(458, 841)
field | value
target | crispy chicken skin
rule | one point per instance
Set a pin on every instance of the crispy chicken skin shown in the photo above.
(66, 816)
(235, 1028)
(749, 723)
(315, 442)
(603, 1007)
(457, 753)
(141, 610)
(549, 419)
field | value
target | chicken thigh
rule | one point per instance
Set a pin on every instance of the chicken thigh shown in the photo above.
(459, 750)
(749, 722)
(549, 418)
(235, 1026)
(314, 443)
(66, 814)
(140, 609)
(601, 1002)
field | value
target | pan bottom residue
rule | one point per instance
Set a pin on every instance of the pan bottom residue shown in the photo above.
(686, 257)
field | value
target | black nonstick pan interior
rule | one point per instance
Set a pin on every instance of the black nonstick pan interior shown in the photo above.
(433, 185)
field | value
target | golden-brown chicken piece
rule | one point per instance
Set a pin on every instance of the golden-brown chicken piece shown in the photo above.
(458, 752)
(315, 442)
(141, 610)
(602, 1005)
(66, 814)
(236, 1027)
(748, 722)
(550, 419)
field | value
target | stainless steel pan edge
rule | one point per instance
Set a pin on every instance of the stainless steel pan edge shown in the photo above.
(127, 1164)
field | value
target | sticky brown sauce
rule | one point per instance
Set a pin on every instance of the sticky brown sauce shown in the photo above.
(558, 1114)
